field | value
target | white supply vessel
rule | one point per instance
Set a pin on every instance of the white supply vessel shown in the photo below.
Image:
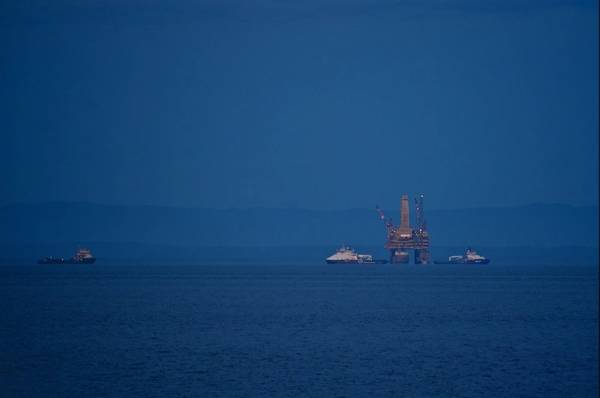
(346, 255)
(470, 257)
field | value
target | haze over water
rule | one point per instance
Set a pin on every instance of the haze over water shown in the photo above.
(305, 330)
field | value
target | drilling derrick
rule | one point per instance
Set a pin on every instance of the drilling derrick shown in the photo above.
(402, 238)
(405, 231)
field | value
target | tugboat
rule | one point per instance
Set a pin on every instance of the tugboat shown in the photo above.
(346, 255)
(470, 257)
(83, 256)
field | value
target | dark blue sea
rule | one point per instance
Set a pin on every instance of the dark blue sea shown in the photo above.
(284, 330)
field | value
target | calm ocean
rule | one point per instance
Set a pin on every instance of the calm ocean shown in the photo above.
(290, 330)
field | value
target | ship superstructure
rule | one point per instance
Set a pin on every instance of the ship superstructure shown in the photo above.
(83, 256)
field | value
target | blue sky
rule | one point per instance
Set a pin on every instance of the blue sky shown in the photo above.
(328, 104)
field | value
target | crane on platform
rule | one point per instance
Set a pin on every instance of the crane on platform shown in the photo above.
(382, 217)
(388, 221)
(421, 223)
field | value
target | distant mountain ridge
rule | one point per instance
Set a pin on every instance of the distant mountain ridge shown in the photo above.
(538, 225)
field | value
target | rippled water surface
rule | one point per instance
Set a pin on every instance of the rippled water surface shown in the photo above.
(286, 330)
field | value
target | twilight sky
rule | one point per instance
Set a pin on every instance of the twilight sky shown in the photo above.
(318, 104)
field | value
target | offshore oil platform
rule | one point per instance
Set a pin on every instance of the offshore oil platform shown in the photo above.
(402, 238)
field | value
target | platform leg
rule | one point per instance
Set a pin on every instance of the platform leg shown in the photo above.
(422, 256)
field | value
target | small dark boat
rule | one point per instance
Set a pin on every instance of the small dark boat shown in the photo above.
(83, 256)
